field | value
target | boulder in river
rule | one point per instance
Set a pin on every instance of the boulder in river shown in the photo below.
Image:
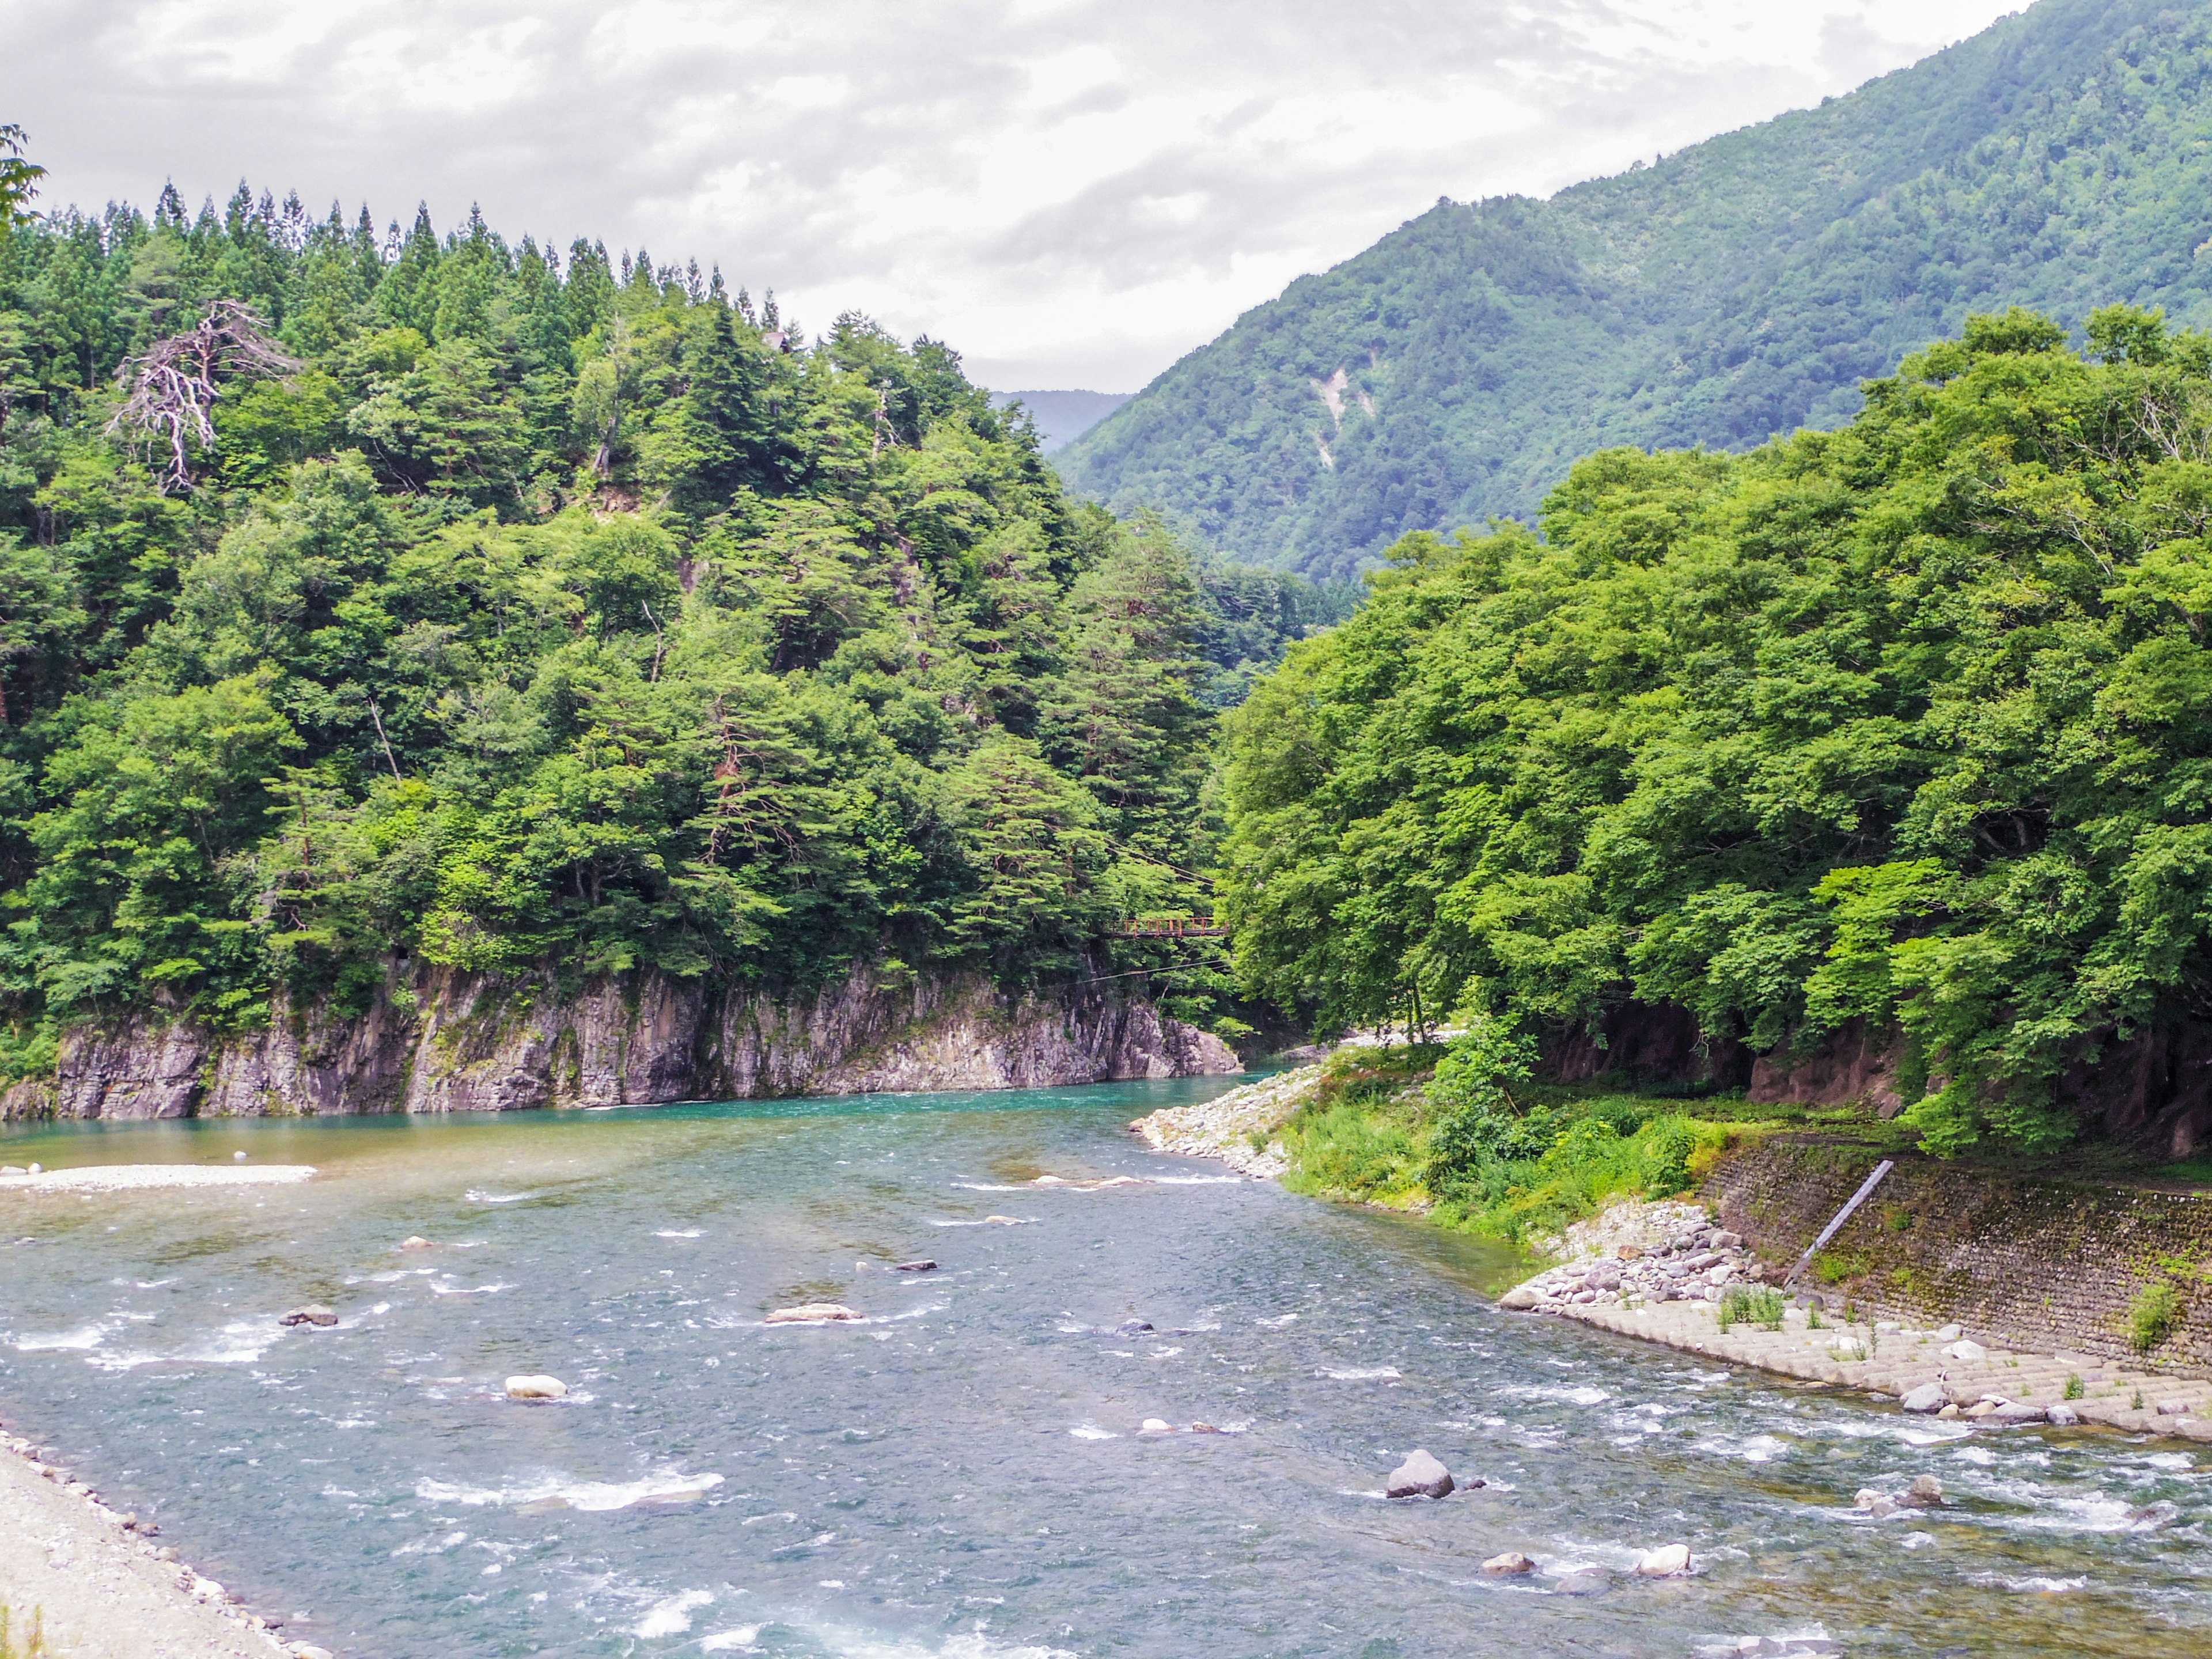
(1511, 1564)
(1584, 1581)
(1420, 1476)
(2018, 1411)
(314, 1314)
(2063, 1416)
(1667, 1561)
(1927, 1397)
(536, 1387)
(1927, 1492)
(812, 1313)
(922, 1266)
(1520, 1299)
(415, 1242)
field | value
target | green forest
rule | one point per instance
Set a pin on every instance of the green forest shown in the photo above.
(366, 597)
(1726, 293)
(1909, 723)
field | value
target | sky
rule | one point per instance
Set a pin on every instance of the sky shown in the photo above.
(1071, 192)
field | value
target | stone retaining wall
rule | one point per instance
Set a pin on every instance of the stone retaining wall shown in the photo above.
(2026, 1263)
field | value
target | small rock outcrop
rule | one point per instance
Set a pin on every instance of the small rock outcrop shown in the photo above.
(1420, 1476)
(1928, 1397)
(812, 1313)
(314, 1314)
(1665, 1562)
(1511, 1565)
(536, 1387)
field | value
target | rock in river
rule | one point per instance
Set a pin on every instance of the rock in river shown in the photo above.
(812, 1313)
(536, 1387)
(1420, 1476)
(922, 1266)
(1520, 1299)
(1927, 1397)
(314, 1314)
(1511, 1564)
(1927, 1491)
(1665, 1562)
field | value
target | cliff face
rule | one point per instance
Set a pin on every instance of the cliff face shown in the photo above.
(452, 1042)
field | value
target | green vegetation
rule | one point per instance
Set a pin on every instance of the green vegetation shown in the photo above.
(2152, 1316)
(1735, 290)
(2076, 1389)
(1430, 1127)
(34, 1643)
(1904, 723)
(1744, 1304)
(473, 602)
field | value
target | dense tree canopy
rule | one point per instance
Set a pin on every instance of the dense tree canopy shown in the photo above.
(533, 610)
(1909, 723)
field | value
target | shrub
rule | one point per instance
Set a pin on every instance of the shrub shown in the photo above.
(2153, 1314)
(1742, 1305)
(2075, 1390)
(1668, 1150)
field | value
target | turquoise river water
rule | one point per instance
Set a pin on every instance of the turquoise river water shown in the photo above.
(963, 1476)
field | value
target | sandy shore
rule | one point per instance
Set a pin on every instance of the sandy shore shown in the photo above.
(100, 1589)
(135, 1177)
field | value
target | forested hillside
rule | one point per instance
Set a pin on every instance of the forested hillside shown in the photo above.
(1735, 291)
(1909, 724)
(368, 595)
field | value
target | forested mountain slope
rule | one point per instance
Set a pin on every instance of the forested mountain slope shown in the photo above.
(1737, 290)
(517, 610)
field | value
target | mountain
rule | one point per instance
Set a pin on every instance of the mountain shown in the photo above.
(1062, 417)
(1739, 288)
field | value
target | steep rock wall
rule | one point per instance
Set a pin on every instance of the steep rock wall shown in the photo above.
(448, 1041)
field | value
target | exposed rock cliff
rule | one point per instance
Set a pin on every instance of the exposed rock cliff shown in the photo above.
(452, 1041)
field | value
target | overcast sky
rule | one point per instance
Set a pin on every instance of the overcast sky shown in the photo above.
(1073, 192)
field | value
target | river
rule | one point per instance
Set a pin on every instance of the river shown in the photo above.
(963, 1475)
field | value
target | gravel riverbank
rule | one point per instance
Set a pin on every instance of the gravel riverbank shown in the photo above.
(98, 1588)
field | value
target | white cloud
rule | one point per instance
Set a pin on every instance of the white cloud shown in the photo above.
(1072, 192)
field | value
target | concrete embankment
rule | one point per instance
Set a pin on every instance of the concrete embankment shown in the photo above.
(2030, 1263)
(1993, 1385)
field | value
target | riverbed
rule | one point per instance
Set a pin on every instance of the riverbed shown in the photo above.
(964, 1473)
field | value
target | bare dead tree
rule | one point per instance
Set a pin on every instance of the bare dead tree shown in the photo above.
(175, 384)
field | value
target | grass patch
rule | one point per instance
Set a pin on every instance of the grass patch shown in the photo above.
(1838, 1266)
(2076, 1388)
(2153, 1314)
(32, 1642)
(1741, 1304)
(1544, 1158)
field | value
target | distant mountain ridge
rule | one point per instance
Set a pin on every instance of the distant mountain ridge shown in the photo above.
(1742, 288)
(1062, 417)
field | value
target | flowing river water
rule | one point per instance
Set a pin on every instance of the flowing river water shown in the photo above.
(963, 1476)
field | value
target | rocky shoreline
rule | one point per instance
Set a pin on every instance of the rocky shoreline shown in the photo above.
(95, 1585)
(1661, 1272)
